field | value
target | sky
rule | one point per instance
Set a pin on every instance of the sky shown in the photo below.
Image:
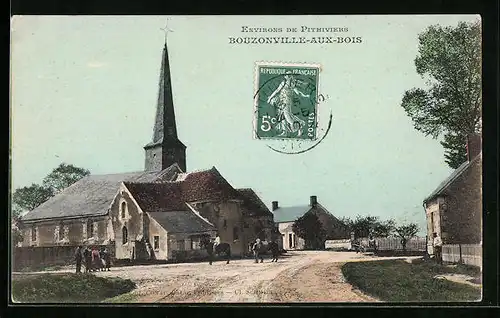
(84, 91)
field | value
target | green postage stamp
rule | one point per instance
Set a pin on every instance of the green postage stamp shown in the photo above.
(285, 101)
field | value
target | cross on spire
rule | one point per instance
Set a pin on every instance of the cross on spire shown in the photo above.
(166, 29)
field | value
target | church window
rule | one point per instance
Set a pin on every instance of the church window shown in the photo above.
(89, 228)
(124, 235)
(61, 231)
(235, 233)
(123, 208)
(33, 233)
(195, 243)
(156, 242)
(180, 245)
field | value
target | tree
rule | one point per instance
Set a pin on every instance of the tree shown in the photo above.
(63, 176)
(28, 198)
(309, 228)
(383, 228)
(406, 232)
(450, 61)
(363, 226)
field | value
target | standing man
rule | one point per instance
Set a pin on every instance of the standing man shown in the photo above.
(256, 251)
(216, 242)
(78, 259)
(438, 244)
(88, 259)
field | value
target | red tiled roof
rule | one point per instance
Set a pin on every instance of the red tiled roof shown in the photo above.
(205, 185)
(253, 205)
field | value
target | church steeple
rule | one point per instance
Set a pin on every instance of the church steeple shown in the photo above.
(165, 149)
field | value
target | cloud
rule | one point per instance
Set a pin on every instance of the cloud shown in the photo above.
(95, 64)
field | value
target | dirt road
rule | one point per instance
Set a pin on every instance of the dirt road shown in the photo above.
(303, 276)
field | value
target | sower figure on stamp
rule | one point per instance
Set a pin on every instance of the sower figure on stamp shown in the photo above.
(78, 259)
(282, 99)
(438, 244)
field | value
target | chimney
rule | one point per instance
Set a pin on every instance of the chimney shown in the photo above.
(473, 146)
(314, 201)
(275, 205)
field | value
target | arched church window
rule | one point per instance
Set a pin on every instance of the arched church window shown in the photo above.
(33, 233)
(123, 208)
(89, 228)
(124, 235)
(61, 230)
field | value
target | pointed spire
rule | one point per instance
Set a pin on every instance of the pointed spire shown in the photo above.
(165, 125)
(165, 148)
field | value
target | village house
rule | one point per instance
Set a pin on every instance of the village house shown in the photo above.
(454, 209)
(158, 213)
(284, 217)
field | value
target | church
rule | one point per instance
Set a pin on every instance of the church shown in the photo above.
(159, 213)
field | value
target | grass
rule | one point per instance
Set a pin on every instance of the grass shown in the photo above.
(399, 281)
(67, 288)
(123, 298)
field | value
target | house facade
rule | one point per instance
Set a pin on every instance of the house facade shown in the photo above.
(159, 213)
(454, 209)
(284, 217)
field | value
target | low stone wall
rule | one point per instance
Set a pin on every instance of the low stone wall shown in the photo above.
(38, 257)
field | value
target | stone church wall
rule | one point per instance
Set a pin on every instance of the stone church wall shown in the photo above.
(131, 220)
(71, 232)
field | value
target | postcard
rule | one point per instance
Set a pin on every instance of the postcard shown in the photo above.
(246, 159)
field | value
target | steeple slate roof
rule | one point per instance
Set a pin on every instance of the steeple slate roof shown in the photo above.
(165, 128)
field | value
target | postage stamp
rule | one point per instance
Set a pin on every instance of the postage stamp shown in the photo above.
(285, 100)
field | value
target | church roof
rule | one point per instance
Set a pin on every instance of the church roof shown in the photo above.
(181, 222)
(253, 205)
(206, 185)
(90, 196)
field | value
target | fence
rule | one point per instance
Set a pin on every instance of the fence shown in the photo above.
(394, 244)
(383, 244)
(470, 254)
(338, 244)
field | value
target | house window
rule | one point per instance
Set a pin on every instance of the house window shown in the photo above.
(156, 242)
(290, 239)
(123, 208)
(61, 231)
(180, 245)
(90, 228)
(124, 235)
(235, 233)
(225, 223)
(33, 233)
(294, 241)
(195, 243)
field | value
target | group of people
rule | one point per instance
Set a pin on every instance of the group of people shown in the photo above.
(92, 258)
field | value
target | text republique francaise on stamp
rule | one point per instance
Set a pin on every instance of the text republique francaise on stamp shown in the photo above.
(285, 101)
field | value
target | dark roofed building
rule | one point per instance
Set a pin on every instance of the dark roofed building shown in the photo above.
(286, 216)
(454, 209)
